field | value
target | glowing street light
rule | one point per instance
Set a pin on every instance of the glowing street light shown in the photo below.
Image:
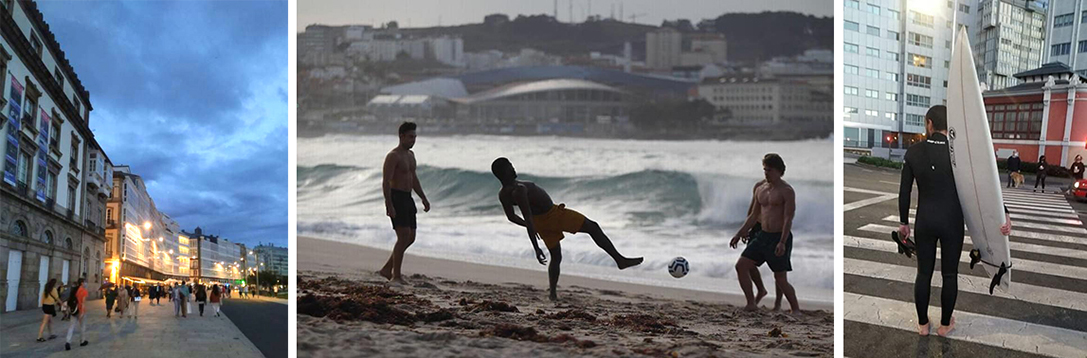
(147, 225)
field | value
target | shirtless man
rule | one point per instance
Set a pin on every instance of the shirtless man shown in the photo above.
(774, 244)
(398, 181)
(548, 221)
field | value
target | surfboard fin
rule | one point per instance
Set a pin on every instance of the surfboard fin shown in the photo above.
(975, 257)
(906, 246)
(996, 278)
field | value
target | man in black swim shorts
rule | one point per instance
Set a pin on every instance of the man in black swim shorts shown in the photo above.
(774, 211)
(398, 181)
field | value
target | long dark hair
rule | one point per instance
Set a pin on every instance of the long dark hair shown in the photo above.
(49, 286)
(215, 289)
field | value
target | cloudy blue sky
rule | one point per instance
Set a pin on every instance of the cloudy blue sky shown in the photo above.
(193, 96)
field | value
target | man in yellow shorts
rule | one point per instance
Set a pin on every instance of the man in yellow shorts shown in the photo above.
(548, 220)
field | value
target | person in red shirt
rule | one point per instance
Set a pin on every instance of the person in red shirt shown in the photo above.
(75, 303)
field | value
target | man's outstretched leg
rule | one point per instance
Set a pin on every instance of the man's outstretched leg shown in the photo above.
(781, 279)
(553, 270)
(743, 273)
(404, 237)
(593, 229)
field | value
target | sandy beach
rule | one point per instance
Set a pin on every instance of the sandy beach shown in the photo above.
(459, 309)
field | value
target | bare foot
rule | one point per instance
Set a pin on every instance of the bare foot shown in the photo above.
(924, 329)
(759, 296)
(399, 281)
(943, 331)
(777, 307)
(751, 308)
(388, 275)
(624, 263)
(553, 297)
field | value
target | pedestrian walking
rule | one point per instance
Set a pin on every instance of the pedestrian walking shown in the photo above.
(75, 305)
(136, 297)
(123, 300)
(216, 298)
(50, 298)
(201, 298)
(185, 296)
(111, 297)
(175, 297)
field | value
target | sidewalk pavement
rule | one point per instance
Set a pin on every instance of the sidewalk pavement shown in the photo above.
(156, 333)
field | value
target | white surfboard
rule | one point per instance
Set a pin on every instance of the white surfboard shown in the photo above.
(974, 162)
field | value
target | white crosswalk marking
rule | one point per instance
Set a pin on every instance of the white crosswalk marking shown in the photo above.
(1048, 237)
(970, 327)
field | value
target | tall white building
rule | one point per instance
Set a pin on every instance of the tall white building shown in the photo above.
(1066, 41)
(44, 115)
(1008, 38)
(896, 61)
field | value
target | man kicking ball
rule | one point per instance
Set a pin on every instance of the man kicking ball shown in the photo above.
(774, 210)
(547, 221)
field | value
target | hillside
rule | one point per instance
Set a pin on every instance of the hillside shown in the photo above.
(752, 37)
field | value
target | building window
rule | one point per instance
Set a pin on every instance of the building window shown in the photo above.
(851, 110)
(851, 90)
(964, 8)
(852, 48)
(23, 173)
(872, 51)
(1083, 18)
(872, 30)
(1015, 121)
(891, 116)
(918, 80)
(51, 186)
(68, 243)
(917, 101)
(922, 19)
(915, 120)
(891, 96)
(892, 77)
(873, 9)
(73, 162)
(948, 24)
(947, 64)
(853, 4)
(920, 61)
(917, 39)
(59, 76)
(75, 102)
(871, 93)
(1082, 46)
(1063, 20)
(853, 70)
(35, 43)
(19, 229)
(871, 73)
(893, 35)
(871, 113)
(54, 137)
(893, 14)
(1061, 49)
(852, 26)
(47, 237)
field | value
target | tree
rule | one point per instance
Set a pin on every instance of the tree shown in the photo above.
(392, 25)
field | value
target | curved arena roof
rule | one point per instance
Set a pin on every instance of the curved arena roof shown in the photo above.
(536, 86)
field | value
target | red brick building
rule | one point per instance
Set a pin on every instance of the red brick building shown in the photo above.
(1046, 114)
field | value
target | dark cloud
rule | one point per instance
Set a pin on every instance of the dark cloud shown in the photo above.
(191, 95)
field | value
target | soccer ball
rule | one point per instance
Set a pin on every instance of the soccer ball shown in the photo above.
(679, 267)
